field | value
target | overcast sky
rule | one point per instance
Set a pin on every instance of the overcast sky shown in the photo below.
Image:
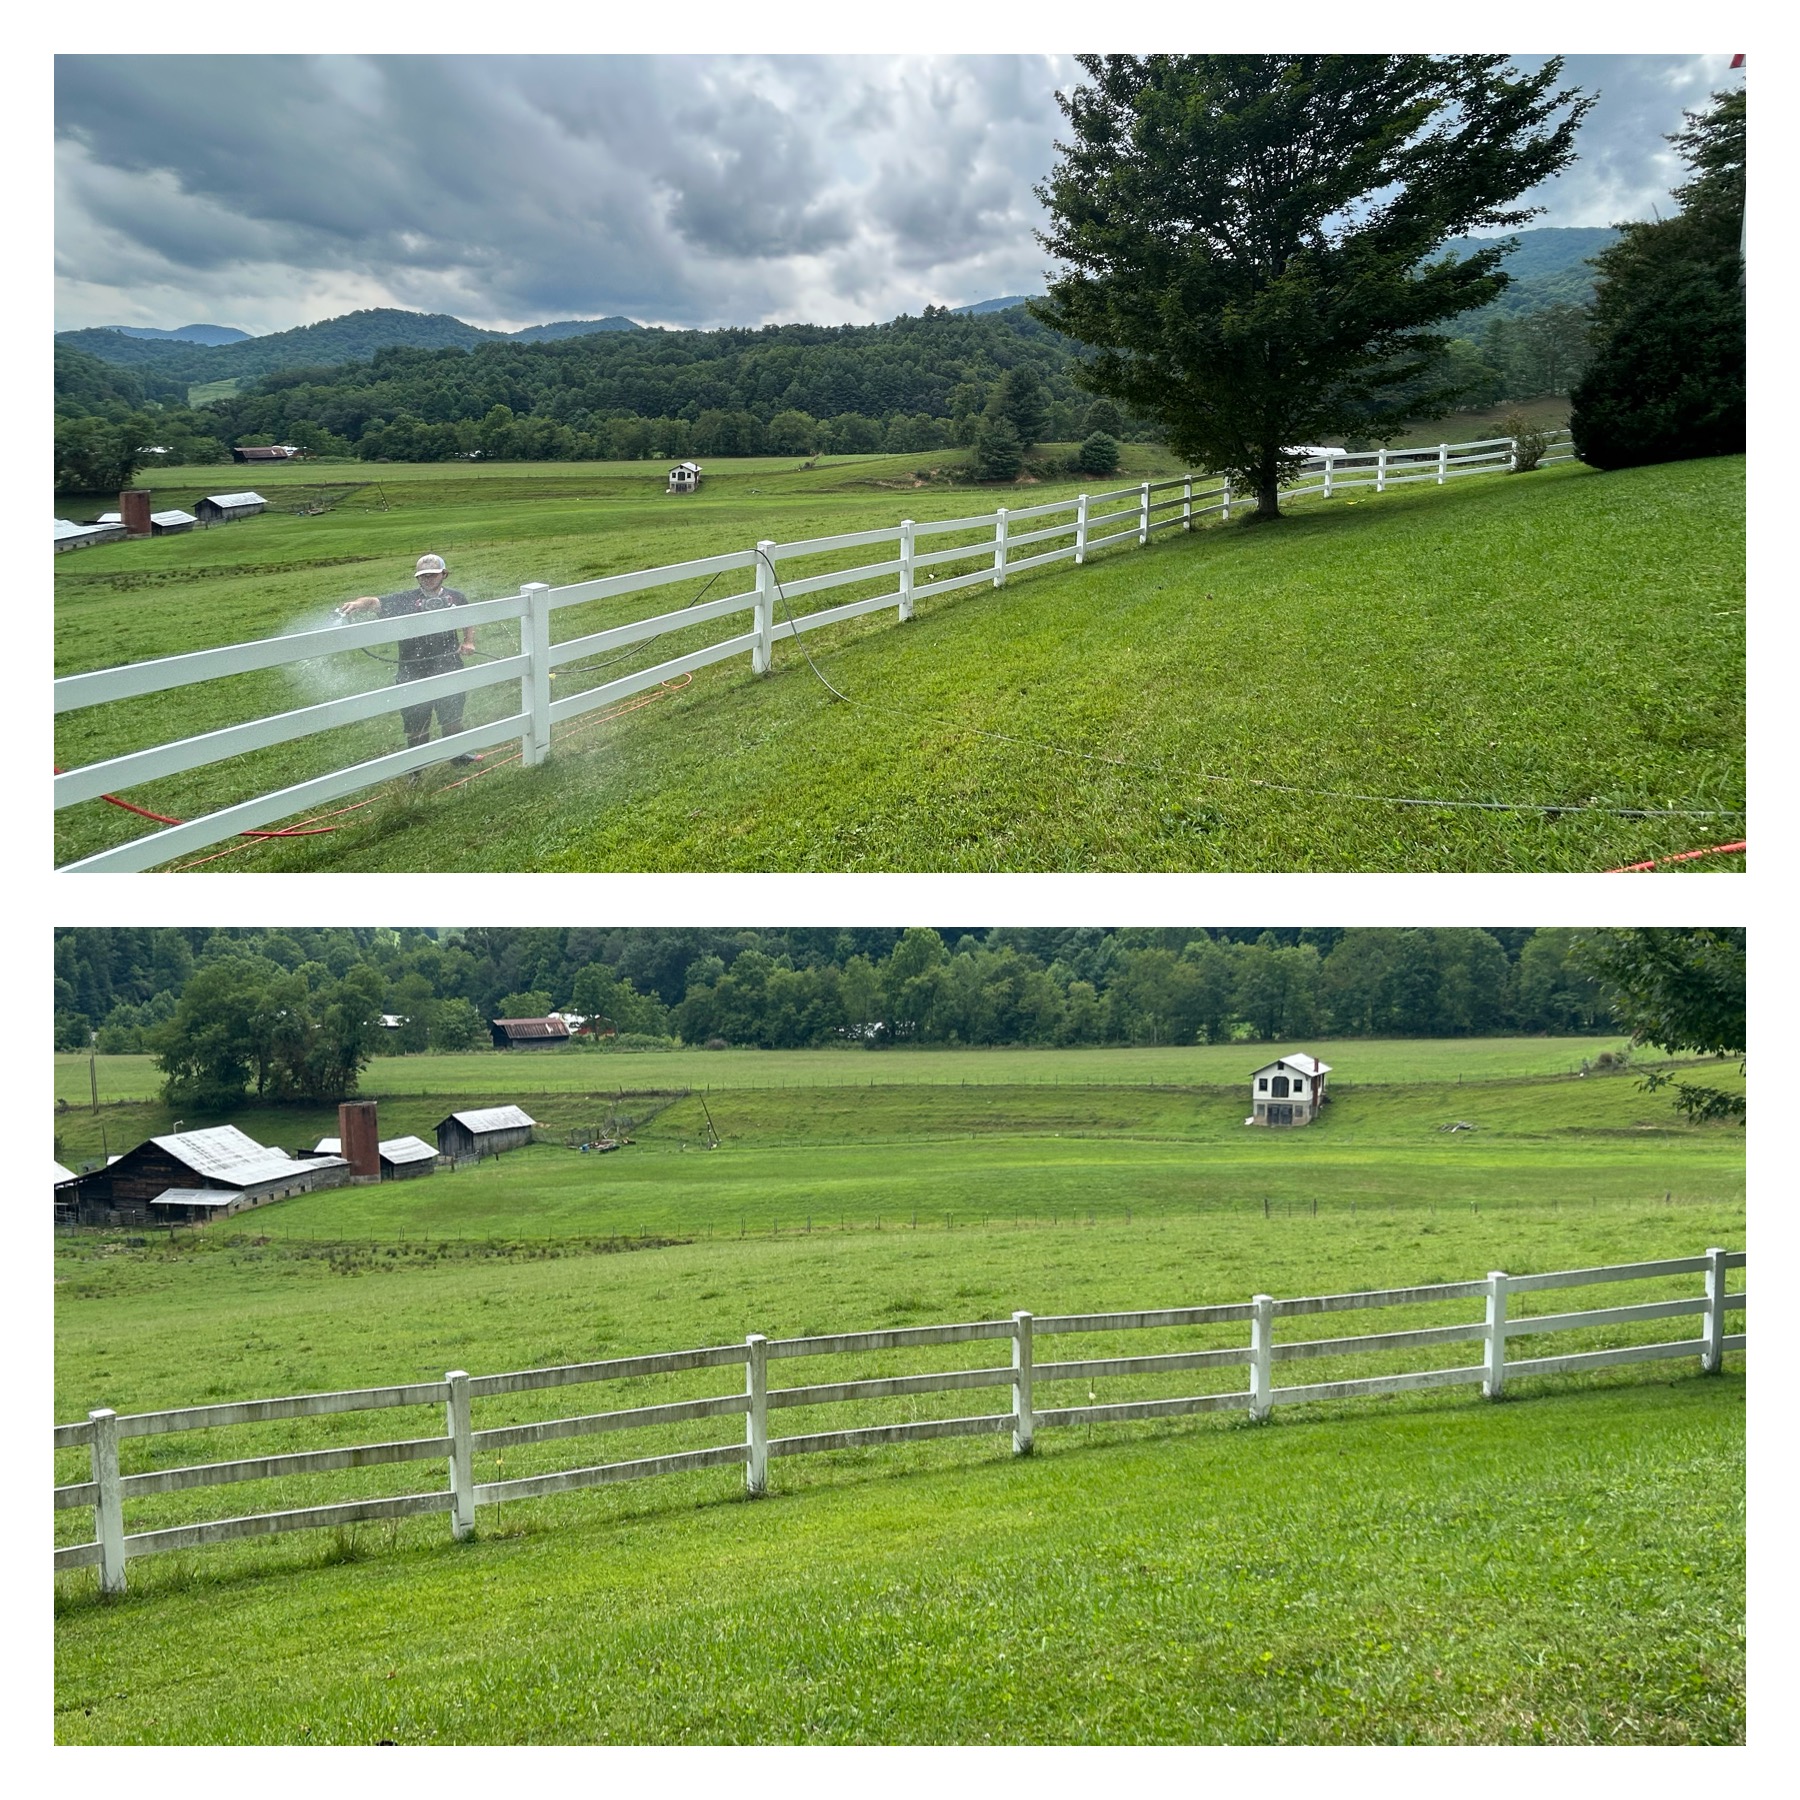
(267, 192)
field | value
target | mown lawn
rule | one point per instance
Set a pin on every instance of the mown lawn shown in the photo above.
(1244, 698)
(1566, 1567)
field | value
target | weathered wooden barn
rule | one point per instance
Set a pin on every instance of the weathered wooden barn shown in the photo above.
(71, 536)
(191, 1177)
(530, 1034)
(401, 1158)
(166, 524)
(215, 509)
(1289, 1091)
(245, 453)
(483, 1131)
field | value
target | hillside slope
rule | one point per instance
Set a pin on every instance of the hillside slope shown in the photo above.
(1241, 699)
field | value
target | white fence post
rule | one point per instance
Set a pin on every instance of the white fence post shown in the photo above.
(109, 1511)
(906, 570)
(1262, 1330)
(1328, 466)
(1081, 528)
(1187, 503)
(1226, 515)
(1381, 469)
(462, 1456)
(1000, 547)
(1144, 515)
(1443, 462)
(1493, 1359)
(1512, 456)
(535, 630)
(762, 650)
(1021, 1362)
(756, 1421)
(1712, 1357)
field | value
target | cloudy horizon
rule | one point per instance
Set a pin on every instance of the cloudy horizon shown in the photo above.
(269, 192)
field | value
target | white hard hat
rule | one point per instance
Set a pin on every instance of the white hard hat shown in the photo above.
(429, 565)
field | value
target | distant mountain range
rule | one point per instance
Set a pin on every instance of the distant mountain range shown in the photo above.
(1549, 265)
(185, 355)
(182, 334)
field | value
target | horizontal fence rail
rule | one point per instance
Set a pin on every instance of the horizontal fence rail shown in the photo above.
(105, 1490)
(1066, 530)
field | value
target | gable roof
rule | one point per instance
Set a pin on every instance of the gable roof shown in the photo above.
(1297, 1060)
(554, 1026)
(244, 499)
(493, 1118)
(407, 1150)
(225, 1154)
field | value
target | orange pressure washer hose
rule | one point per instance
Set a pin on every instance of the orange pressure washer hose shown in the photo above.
(1684, 856)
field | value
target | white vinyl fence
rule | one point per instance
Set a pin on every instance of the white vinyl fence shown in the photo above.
(1008, 541)
(107, 1490)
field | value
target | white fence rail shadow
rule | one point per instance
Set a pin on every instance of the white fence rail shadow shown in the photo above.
(1057, 531)
(106, 1490)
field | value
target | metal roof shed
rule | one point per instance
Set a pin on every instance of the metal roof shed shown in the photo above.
(216, 508)
(483, 1131)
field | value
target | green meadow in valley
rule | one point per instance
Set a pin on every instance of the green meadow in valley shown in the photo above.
(1566, 1567)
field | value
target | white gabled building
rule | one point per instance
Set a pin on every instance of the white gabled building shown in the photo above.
(1289, 1091)
(684, 477)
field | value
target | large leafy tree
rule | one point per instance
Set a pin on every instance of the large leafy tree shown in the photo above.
(1682, 990)
(1251, 243)
(1667, 379)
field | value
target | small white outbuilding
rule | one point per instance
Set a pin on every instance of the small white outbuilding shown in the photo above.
(684, 478)
(1289, 1091)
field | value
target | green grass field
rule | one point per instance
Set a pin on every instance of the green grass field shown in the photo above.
(1568, 639)
(1360, 1060)
(1566, 1568)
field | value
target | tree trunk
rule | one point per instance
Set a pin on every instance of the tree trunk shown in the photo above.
(1268, 487)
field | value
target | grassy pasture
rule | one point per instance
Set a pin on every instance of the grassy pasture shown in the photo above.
(1566, 639)
(1358, 1061)
(1429, 1569)
(1567, 1568)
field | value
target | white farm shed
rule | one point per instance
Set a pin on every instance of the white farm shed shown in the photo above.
(684, 478)
(1288, 1091)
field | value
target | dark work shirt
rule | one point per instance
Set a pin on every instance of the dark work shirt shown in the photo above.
(433, 646)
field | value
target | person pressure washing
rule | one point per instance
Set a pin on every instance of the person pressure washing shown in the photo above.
(431, 653)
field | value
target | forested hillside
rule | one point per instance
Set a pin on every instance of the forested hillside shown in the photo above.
(348, 338)
(385, 385)
(801, 988)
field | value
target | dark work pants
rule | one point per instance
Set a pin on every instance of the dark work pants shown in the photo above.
(416, 720)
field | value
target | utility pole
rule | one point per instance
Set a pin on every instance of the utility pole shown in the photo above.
(93, 1073)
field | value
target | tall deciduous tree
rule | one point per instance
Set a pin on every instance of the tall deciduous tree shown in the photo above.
(1682, 990)
(1251, 242)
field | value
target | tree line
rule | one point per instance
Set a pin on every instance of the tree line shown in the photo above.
(994, 384)
(295, 1013)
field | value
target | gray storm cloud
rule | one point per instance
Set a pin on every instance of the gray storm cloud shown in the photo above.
(268, 191)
